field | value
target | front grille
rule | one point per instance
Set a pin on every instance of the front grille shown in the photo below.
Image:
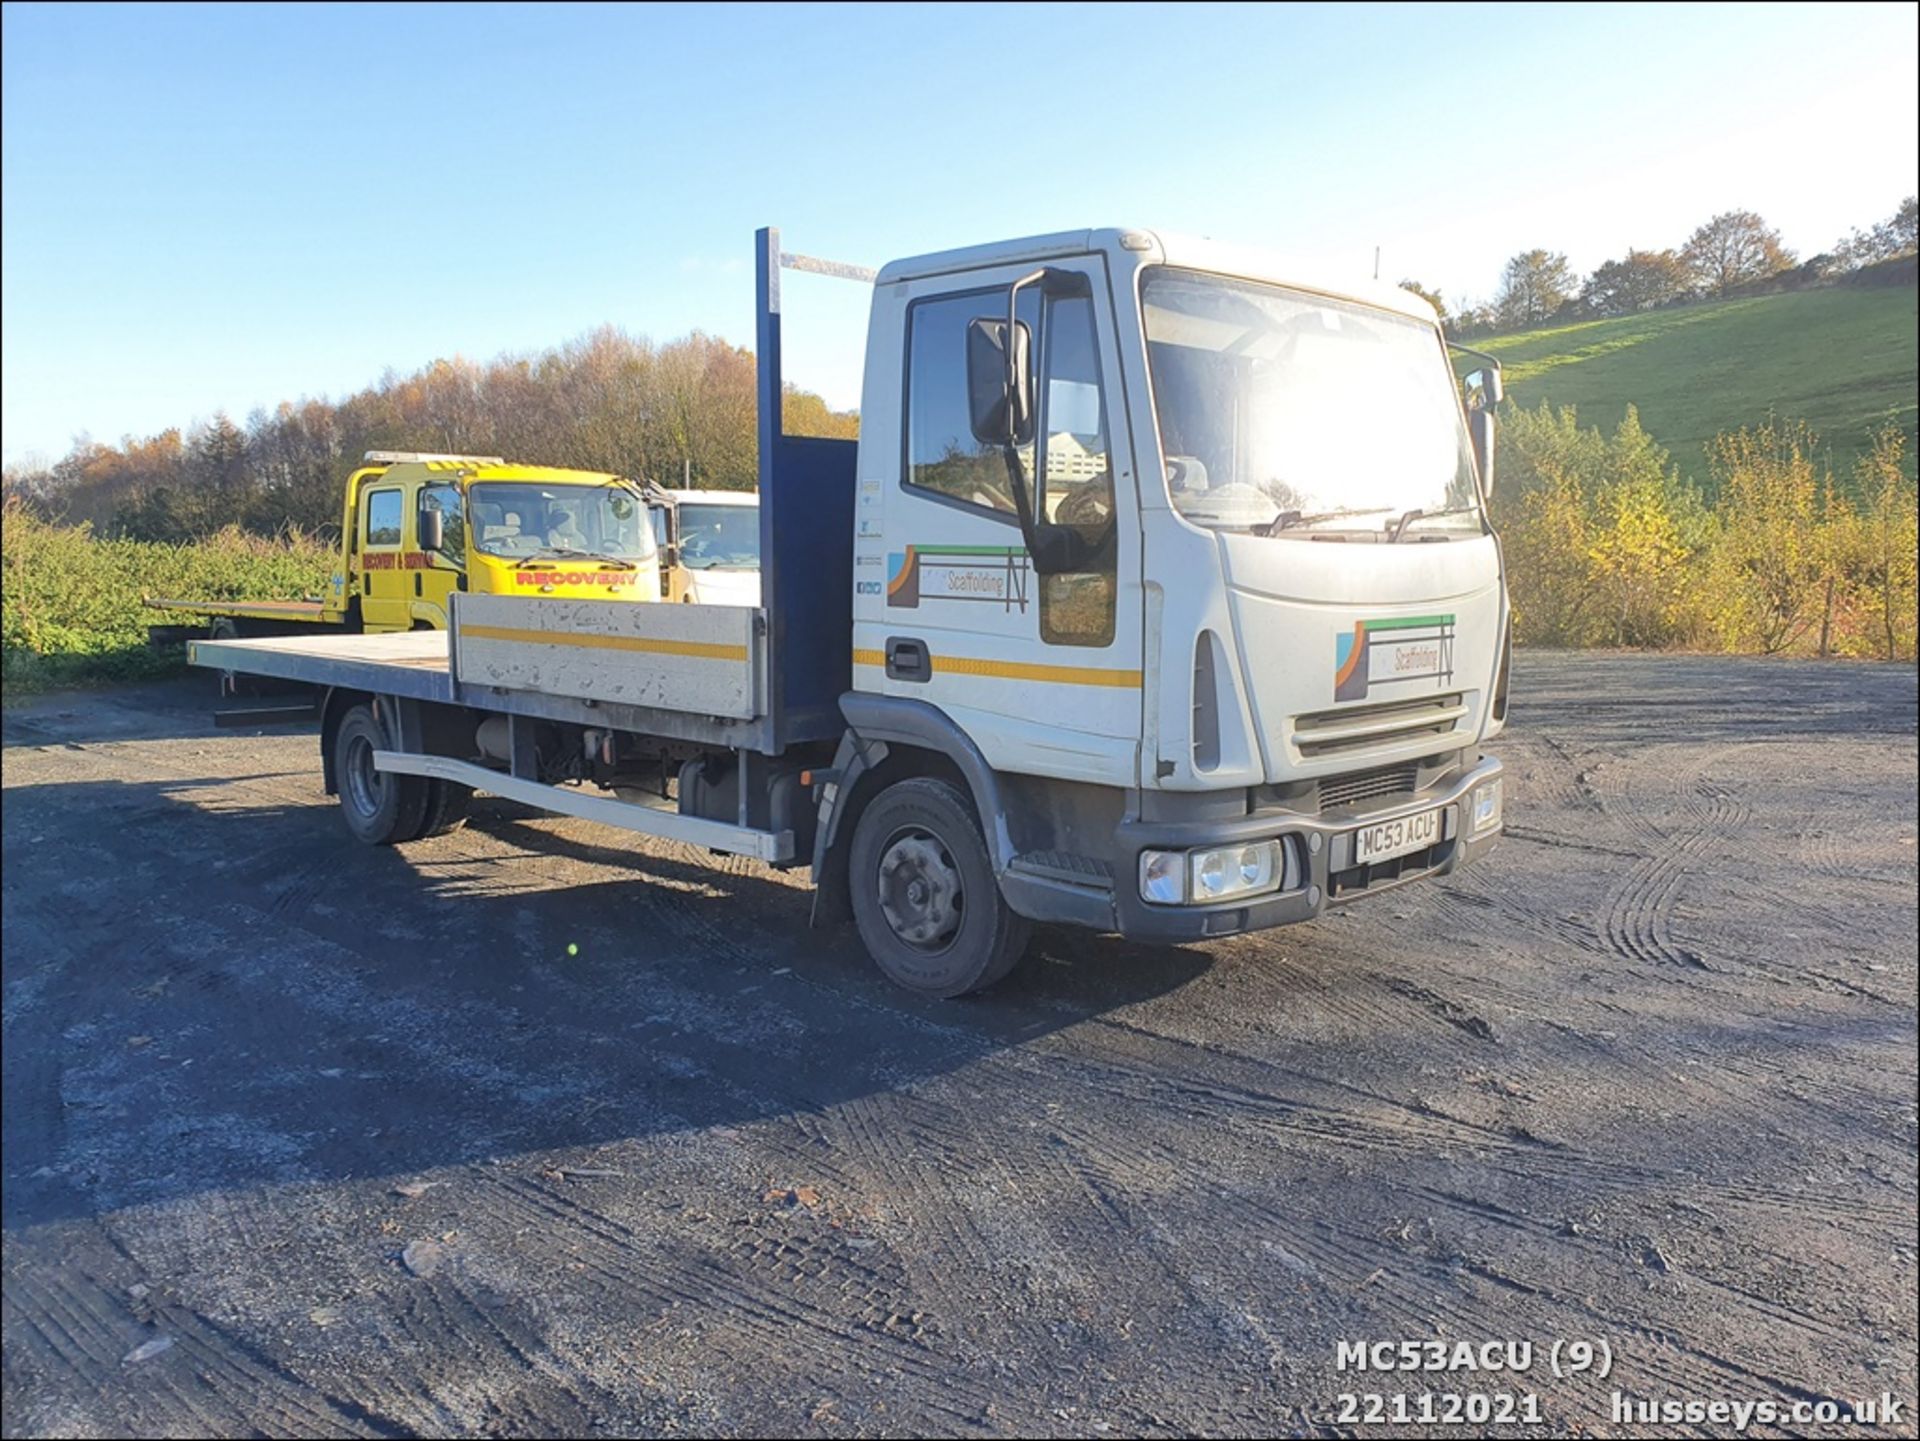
(1347, 884)
(1376, 727)
(1338, 791)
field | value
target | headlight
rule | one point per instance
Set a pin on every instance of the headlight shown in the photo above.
(1235, 871)
(1486, 806)
(1163, 877)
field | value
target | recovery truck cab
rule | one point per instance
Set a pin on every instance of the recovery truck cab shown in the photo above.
(1158, 596)
(415, 528)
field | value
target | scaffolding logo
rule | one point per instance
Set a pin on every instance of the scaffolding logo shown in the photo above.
(1392, 652)
(996, 574)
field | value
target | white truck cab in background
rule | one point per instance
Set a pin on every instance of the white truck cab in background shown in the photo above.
(709, 545)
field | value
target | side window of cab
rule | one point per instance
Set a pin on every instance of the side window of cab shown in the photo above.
(943, 458)
(383, 519)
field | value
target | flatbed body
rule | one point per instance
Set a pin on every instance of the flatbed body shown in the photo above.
(305, 612)
(652, 670)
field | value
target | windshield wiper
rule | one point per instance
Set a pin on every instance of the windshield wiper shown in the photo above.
(1288, 519)
(556, 552)
(1411, 516)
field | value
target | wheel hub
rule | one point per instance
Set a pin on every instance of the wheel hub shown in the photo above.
(362, 782)
(920, 890)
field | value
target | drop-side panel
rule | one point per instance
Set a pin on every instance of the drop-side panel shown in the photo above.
(699, 659)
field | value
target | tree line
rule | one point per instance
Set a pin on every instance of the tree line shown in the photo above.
(1606, 545)
(608, 401)
(1733, 253)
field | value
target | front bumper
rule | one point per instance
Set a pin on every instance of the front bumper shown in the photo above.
(1328, 875)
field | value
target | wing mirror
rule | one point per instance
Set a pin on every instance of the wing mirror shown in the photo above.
(431, 526)
(1483, 389)
(1483, 393)
(1000, 381)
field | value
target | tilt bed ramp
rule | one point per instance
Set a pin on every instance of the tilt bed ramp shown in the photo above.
(1010, 662)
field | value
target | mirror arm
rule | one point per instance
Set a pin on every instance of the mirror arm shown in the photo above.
(1022, 500)
(1493, 361)
(1480, 420)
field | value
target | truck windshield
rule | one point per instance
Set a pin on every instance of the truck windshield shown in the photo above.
(517, 520)
(720, 537)
(1293, 415)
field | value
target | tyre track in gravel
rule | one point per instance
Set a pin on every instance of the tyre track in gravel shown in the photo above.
(1637, 920)
(1385, 1126)
(1556, 1238)
(66, 1323)
(790, 1293)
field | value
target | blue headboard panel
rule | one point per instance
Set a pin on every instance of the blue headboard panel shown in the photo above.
(806, 545)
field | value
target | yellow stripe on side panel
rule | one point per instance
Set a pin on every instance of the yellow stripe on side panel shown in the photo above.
(1019, 670)
(701, 650)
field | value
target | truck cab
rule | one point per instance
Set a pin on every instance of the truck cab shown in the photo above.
(1202, 544)
(709, 544)
(501, 529)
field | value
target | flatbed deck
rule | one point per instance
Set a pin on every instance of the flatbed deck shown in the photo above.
(537, 667)
(306, 611)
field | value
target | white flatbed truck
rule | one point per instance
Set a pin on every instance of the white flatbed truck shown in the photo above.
(1158, 596)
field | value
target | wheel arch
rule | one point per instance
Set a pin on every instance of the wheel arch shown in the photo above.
(890, 739)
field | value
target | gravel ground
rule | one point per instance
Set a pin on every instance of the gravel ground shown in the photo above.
(533, 1130)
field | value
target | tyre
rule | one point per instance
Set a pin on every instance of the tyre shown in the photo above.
(446, 809)
(379, 807)
(924, 895)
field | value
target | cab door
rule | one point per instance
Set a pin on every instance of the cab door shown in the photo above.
(439, 573)
(1043, 672)
(386, 585)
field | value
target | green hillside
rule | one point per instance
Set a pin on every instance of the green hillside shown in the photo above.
(1840, 359)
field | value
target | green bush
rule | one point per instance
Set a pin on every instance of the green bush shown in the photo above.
(70, 601)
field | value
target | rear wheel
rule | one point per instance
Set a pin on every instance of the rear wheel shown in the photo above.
(924, 894)
(447, 804)
(379, 807)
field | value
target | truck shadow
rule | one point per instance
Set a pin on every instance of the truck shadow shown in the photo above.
(262, 1002)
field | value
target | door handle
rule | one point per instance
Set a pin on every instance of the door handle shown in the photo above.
(907, 659)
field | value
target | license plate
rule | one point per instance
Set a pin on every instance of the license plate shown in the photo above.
(1395, 838)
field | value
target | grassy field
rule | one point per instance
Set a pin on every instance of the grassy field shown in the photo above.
(1842, 360)
(70, 607)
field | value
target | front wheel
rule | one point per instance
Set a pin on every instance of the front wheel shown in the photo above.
(379, 807)
(924, 894)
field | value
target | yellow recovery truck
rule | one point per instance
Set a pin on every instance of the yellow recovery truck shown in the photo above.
(415, 527)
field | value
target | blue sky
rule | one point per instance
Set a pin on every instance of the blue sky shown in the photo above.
(218, 208)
